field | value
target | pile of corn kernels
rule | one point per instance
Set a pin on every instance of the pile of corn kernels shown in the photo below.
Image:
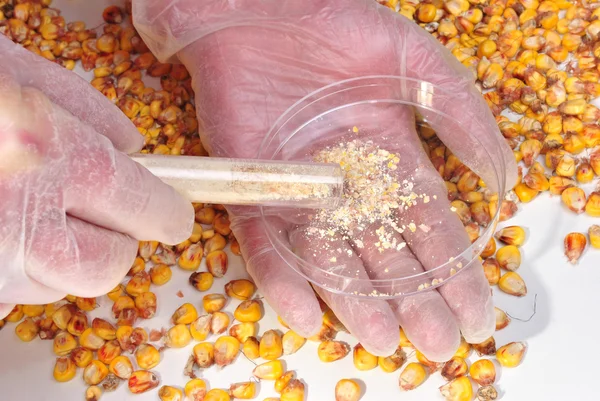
(538, 60)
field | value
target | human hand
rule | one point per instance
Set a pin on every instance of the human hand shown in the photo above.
(72, 204)
(250, 60)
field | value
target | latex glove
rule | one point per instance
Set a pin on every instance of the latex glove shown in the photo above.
(252, 59)
(72, 204)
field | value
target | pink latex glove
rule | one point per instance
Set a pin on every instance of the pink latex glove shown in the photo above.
(252, 59)
(72, 204)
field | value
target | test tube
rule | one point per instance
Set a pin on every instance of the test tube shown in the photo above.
(249, 182)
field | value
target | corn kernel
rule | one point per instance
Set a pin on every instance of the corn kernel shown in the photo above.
(204, 355)
(141, 381)
(195, 390)
(404, 341)
(95, 372)
(271, 370)
(511, 354)
(64, 343)
(64, 369)
(226, 350)
(248, 311)
(160, 274)
(330, 351)
(454, 368)
(509, 257)
(502, 319)
(251, 348)
(145, 304)
(483, 372)
(185, 314)
(178, 336)
(116, 292)
(592, 206)
(191, 258)
(347, 390)
(459, 389)
(575, 244)
(62, 316)
(109, 351)
(283, 381)
(242, 331)
(216, 263)
(33, 310)
(294, 391)
(363, 359)
(491, 269)
(393, 362)
(104, 329)
(168, 393)
(214, 302)
(292, 342)
(93, 393)
(138, 284)
(82, 357)
(594, 234)
(511, 283)
(240, 289)
(147, 356)
(525, 193)
(123, 336)
(90, 340)
(574, 198)
(413, 375)
(121, 367)
(27, 330)
(217, 395)
(219, 322)
(243, 391)
(270, 345)
(490, 247)
(487, 347)
(215, 243)
(200, 328)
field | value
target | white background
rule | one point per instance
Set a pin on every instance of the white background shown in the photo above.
(561, 362)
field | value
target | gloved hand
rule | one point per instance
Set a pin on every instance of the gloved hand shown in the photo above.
(252, 59)
(72, 204)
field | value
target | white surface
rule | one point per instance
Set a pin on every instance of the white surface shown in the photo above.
(561, 363)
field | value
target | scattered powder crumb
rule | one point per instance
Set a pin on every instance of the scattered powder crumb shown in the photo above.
(179, 294)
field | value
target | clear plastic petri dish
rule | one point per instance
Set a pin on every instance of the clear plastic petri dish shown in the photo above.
(374, 113)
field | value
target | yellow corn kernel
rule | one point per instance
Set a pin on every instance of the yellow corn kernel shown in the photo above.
(168, 393)
(487, 347)
(139, 265)
(525, 193)
(215, 243)
(219, 322)
(64, 343)
(145, 304)
(490, 246)
(204, 355)
(160, 274)
(491, 269)
(502, 319)
(594, 234)
(82, 357)
(464, 349)
(147, 249)
(512, 284)
(191, 258)
(216, 263)
(116, 293)
(200, 328)
(271, 346)
(226, 350)
(201, 281)
(242, 331)
(592, 206)
(251, 348)
(27, 330)
(455, 367)
(511, 235)
(217, 395)
(530, 149)
(214, 302)
(93, 393)
(33, 310)
(271, 370)
(404, 341)
(595, 162)
(283, 381)
(347, 390)
(433, 366)
(240, 289)
(559, 184)
(584, 173)
(426, 12)
(536, 181)
(64, 369)
(123, 336)
(95, 372)
(62, 316)
(413, 375)
(574, 198)
(363, 359)
(141, 381)
(195, 390)
(147, 356)
(248, 311)
(292, 342)
(393, 362)
(492, 75)
(486, 48)
(573, 107)
(483, 372)
(78, 323)
(330, 351)
(294, 391)
(243, 391)
(104, 329)
(566, 167)
(178, 336)
(121, 367)
(511, 354)
(574, 144)
(91, 340)
(575, 244)
(459, 389)
(138, 284)
(185, 314)
(109, 351)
